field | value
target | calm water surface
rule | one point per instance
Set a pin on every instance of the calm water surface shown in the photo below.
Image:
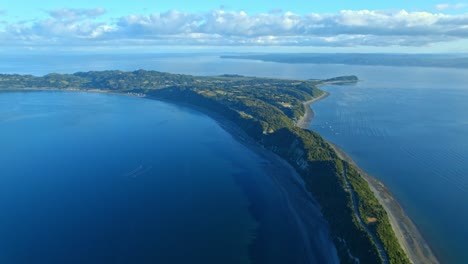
(99, 178)
(406, 126)
(415, 140)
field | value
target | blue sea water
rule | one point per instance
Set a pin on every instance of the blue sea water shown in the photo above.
(415, 139)
(102, 178)
(407, 126)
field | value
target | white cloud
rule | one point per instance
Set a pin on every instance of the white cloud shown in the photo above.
(76, 14)
(442, 7)
(62, 26)
(220, 27)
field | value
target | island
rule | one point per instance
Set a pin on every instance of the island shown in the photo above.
(274, 113)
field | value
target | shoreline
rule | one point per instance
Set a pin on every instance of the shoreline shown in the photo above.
(412, 242)
(73, 90)
(408, 235)
(309, 114)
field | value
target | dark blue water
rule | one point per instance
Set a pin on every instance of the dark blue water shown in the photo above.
(406, 126)
(99, 178)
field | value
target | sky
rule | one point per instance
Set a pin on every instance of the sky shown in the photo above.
(422, 26)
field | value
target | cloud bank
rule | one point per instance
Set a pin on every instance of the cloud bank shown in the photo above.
(87, 27)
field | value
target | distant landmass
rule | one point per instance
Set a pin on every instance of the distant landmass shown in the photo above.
(267, 110)
(372, 59)
(342, 80)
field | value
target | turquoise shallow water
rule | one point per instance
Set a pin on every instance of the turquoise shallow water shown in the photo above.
(406, 126)
(99, 178)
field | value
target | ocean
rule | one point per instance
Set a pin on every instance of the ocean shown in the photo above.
(406, 126)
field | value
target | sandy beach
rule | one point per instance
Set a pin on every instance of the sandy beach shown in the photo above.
(305, 121)
(408, 235)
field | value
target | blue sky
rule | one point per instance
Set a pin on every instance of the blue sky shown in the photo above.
(302, 25)
(31, 8)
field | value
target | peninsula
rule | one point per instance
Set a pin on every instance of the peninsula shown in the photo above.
(273, 112)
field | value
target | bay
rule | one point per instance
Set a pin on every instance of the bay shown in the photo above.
(102, 178)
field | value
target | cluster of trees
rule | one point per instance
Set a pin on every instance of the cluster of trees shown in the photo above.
(343, 79)
(107, 80)
(266, 110)
(372, 211)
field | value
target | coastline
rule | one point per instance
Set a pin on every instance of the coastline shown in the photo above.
(299, 200)
(408, 235)
(72, 90)
(309, 114)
